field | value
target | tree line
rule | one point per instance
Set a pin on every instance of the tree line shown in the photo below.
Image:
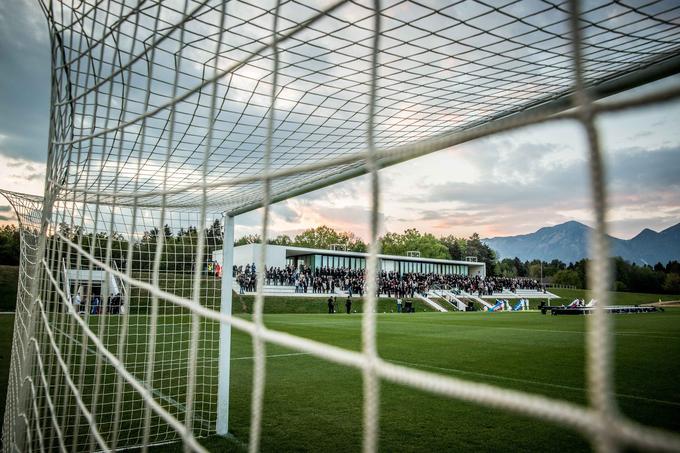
(180, 249)
(178, 252)
(628, 276)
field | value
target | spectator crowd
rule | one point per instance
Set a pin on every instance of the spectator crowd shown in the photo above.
(391, 284)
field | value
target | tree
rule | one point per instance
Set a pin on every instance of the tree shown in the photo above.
(248, 239)
(412, 240)
(671, 284)
(521, 268)
(455, 246)
(643, 279)
(213, 234)
(673, 267)
(281, 239)
(534, 270)
(567, 277)
(506, 268)
(580, 268)
(10, 240)
(475, 247)
(323, 237)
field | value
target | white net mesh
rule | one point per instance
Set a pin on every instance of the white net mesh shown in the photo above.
(176, 113)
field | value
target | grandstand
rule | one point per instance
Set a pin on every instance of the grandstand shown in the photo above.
(185, 112)
(292, 271)
(301, 257)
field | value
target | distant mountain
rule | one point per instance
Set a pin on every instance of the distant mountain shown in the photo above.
(568, 242)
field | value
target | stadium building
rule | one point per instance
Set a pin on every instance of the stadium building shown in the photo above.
(283, 255)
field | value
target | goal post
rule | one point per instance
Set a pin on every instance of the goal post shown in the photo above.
(224, 361)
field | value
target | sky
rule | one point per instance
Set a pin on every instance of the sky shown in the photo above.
(503, 185)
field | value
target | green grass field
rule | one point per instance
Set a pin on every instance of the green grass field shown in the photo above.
(311, 404)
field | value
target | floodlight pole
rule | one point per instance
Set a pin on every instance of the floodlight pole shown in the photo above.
(224, 362)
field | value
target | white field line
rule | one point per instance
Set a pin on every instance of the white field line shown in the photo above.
(272, 356)
(529, 381)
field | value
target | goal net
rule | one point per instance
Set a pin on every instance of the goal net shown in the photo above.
(169, 118)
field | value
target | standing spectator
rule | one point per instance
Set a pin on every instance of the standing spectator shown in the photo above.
(330, 305)
(95, 305)
(348, 304)
(398, 305)
(76, 303)
(115, 305)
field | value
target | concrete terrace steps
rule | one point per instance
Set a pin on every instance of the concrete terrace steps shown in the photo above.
(289, 290)
(443, 301)
(474, 298)
(449, 302)
(451, 299)
(431, 303)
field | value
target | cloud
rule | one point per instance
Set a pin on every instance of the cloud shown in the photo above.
(20, 175)
(514, 186)
(502, 184)
(286, 213)
(654, 169)
(25, 81)
(35, 176)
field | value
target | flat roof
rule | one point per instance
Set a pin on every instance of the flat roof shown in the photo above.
(298, 251)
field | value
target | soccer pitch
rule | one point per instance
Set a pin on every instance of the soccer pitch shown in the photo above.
(311, 404)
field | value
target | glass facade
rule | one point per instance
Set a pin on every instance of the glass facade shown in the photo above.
(314, 261)
(331, 261)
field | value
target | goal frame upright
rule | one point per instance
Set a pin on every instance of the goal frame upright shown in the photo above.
(224, 360)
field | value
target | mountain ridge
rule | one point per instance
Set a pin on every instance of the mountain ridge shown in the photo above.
(568, 242)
